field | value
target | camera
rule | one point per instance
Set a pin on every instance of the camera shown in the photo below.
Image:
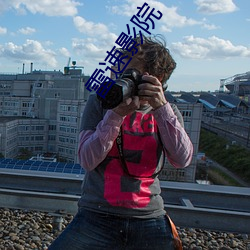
(125, 86)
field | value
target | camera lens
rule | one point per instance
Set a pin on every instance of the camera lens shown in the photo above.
(121, 90)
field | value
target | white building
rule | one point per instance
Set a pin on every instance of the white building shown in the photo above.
(40, 111)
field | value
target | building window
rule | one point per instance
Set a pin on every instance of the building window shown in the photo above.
(68, 118)
(39, 138)
(52, 127)
(39, 127)
(38, 148)
(186, 113)
(51, 137)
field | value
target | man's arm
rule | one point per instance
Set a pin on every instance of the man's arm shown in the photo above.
(94, 145)
(177, 144)
(98, 134)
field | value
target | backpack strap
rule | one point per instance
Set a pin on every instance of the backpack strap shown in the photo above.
(176, 238)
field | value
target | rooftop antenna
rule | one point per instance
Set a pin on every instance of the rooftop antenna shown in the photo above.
(31, 67)
(66, 68)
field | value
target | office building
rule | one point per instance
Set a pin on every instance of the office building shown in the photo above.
(40, 111)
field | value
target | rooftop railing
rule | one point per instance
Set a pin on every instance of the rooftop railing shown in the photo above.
(213, 207)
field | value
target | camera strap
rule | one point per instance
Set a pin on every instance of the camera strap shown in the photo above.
(119, 142)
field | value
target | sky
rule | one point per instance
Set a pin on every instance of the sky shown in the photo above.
(208, 39)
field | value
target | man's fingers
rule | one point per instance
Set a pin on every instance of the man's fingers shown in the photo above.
(128, 101)
(135, 103)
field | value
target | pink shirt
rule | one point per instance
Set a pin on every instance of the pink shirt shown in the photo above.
(94, 145)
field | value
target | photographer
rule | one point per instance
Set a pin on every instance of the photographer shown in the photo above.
(122, 150)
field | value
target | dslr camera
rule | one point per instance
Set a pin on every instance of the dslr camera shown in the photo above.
(125, 86)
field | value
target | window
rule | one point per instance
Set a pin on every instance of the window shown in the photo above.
(51, 137)
(186, 113)
(38, 148)
(39, 127)
(68, 118)
(39, 138)
(52, 127)
(68, 108)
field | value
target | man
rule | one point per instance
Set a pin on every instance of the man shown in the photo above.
(122, 151)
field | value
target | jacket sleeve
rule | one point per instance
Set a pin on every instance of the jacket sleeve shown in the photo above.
(177, 144)
(98, 133)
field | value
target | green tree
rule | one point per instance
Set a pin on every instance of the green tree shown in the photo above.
(234, 157)
(24, 154)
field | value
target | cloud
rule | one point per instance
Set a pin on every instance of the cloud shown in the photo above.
(98, 30)
(210, 26)
(88, 27)
(31, 51)
(207, 26)
(3, 30)
(211, 48)
(211, 7)
(89, 48)
(27, 31)
(64, 52)
(99, 39)
(169, 20)
(91, 52)
(46, 7)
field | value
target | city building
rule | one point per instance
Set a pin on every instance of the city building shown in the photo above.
(40, 112)
(238, 85)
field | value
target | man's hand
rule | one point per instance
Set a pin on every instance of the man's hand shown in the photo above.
(128, 106)
(152, 91)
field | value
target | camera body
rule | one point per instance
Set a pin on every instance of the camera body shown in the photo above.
(126, 86)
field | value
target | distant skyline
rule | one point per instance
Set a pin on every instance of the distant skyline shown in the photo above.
(209, 39)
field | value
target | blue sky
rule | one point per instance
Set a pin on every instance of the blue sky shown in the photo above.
(209, 39)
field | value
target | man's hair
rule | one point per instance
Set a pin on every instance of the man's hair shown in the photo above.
(154, 56)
